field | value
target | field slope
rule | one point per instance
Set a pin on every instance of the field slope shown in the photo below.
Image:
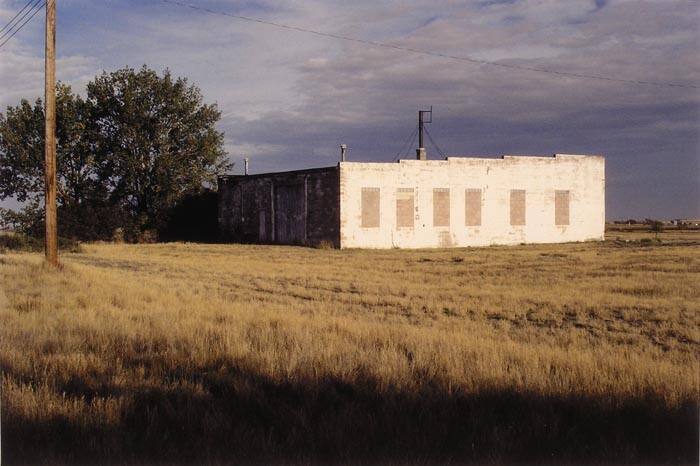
(185, 353)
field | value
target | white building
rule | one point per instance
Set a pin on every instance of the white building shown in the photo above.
(460, 201)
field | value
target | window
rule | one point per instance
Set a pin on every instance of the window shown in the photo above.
(404, 208)
(561, 207)
(441, 207)
(472, 207)
(517, 207)
(370, 207)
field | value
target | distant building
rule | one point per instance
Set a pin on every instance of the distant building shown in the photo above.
(460, 201)
(686, 222)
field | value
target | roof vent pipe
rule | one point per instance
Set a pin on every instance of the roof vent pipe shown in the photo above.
(343, 151)
(245, 166)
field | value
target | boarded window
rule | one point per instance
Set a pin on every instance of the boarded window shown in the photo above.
(517, 207)
(404, 208)
(262, 233)
(441, 207)
(290, 215)
(370, 207)
(561, 207)
(472, 206)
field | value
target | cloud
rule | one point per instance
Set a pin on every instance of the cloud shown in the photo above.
(289, 99)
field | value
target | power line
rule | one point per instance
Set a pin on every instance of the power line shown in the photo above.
(15, 16)
(430, 52)
(20, 18)
(23, 24)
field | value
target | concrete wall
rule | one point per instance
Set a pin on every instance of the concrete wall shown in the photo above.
(543, 179)
(299, 207)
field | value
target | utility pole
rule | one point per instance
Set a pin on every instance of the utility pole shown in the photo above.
(51, 239)
(420, 152)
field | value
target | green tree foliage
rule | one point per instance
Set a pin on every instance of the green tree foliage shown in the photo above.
(127, 153)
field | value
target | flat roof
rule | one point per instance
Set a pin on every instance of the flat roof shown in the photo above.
(287, 172)
(411, 160)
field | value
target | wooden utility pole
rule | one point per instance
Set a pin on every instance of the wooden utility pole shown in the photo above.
(51, 240)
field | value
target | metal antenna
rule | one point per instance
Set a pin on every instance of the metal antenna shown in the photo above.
(420, 152)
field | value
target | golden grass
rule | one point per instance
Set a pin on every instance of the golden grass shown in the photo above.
(218, 353)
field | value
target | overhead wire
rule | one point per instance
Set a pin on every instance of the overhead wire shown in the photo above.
(15, 16)
(19, 20)
(24, 23)
(362, 41)
(373, 43)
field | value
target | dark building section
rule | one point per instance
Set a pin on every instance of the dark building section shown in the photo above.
(193, 218)
(297, 207)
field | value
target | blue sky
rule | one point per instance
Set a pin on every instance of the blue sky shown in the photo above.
(289, 99)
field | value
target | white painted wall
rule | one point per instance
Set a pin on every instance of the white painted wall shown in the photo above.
(540, 177)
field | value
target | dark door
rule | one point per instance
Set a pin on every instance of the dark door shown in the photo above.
(290, 221)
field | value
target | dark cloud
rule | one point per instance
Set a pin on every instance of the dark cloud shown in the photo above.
(289, 99)
(369, 98)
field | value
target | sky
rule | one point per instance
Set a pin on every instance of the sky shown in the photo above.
(289, 99)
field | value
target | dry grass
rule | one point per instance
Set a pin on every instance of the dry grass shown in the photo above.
(189, 353)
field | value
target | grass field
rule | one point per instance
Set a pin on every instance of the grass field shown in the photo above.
(193, 353)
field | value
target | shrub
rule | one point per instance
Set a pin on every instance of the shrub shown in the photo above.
(656, 226)
(24, 243)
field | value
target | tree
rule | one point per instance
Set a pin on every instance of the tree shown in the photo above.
(127, 153)
(156, 139)
(22, 166)
(656, 226)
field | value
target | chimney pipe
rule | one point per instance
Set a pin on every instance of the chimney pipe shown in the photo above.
(343, 151)
(245, 166)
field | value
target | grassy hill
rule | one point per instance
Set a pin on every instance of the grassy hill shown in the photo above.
(185, 353)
